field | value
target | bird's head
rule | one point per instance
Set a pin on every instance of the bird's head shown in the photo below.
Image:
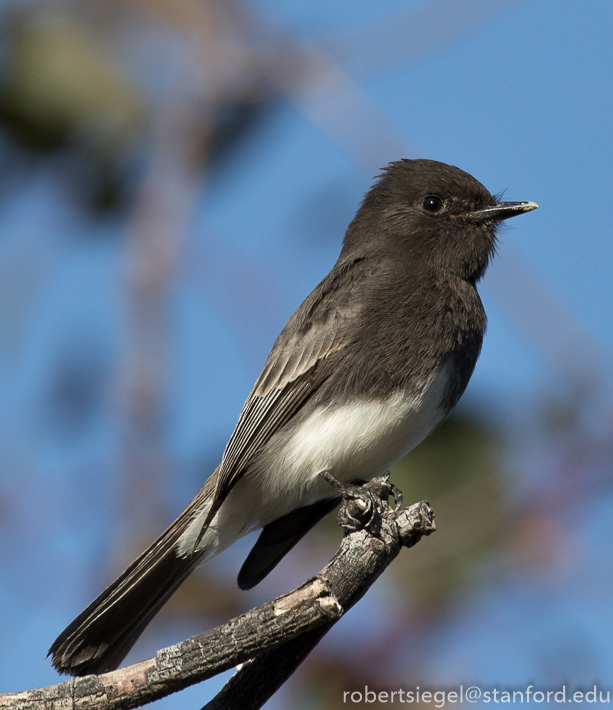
(430, 213)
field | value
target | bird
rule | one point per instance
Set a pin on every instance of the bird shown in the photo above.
(370, 363)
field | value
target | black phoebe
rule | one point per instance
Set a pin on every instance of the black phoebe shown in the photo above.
(371, 362)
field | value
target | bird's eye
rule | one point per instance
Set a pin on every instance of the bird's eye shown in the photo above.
(432, 203)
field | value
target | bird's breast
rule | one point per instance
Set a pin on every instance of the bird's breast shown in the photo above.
(359, 439)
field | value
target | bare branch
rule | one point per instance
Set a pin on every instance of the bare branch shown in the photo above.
(278, 635)
(194, 660)
(360, 560)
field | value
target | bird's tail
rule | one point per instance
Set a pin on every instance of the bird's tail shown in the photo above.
(98, 640)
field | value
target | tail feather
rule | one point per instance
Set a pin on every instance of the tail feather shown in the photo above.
(277, 539)
(99, 638)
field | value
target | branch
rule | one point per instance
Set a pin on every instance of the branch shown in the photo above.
(277, 635)
(361, 559)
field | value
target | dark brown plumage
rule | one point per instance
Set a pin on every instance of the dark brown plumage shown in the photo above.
(372, 360)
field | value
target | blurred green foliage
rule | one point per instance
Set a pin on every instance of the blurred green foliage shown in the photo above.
(63, 90)
(457, 469)
(62, 84)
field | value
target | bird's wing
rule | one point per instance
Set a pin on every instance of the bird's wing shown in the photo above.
(302, 358)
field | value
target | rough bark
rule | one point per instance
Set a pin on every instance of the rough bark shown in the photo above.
(270, 641)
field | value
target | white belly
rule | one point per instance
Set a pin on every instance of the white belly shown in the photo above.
(355, 440)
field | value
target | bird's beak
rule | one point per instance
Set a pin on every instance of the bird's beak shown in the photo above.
(499, 211)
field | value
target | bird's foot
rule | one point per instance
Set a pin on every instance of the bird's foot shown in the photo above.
(384, 488)
(361, 506)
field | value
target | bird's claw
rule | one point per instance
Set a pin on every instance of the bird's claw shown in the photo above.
(360, 507)
(392, 490)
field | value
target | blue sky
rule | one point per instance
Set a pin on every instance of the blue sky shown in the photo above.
(522, 104)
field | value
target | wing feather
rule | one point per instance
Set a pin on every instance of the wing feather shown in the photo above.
(298, 364)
